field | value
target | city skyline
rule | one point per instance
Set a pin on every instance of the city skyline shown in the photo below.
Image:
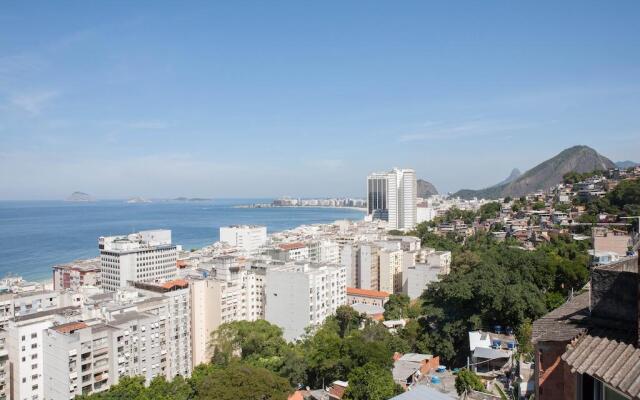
(117, 99)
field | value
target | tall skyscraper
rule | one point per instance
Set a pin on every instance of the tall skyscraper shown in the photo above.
(391, 196)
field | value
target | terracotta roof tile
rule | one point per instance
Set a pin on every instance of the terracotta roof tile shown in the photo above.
(367, 293)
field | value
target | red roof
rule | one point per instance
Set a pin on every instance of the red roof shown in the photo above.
(367, 293)
(292, 246)
(70, 327)
(297, 395)
(176, 282)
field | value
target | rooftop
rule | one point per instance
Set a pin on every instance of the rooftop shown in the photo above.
(69, 327)
(291, 246)
(367, 293)
(613, 362)
(565, 322)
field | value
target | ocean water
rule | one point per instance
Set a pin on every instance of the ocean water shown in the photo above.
(35, 235)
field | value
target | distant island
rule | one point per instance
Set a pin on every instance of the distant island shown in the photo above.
(80, 197)
(138, 199)
(192, 199)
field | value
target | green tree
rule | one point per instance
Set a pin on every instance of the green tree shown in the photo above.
(467, 380)
(348, 319)
(396, 307)
(371, 382)
(257, 342)
(626, 197)
(323, 355)
(538, 205)
(523, 334)
(242, 381)
(489, 210)
(177, 389)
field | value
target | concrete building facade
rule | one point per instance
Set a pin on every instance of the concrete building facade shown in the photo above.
(146, 256)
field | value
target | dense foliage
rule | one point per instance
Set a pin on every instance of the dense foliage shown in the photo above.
(575, 177)
(399, 306)
(371, 382)
(623, 200)
(332, 351)
(466, 380)
(495, 283)
(233, 381)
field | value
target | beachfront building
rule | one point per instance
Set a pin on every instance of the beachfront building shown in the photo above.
(75, 274)
(245, 237)
(391, 196)
(146, 256)
(302, 294)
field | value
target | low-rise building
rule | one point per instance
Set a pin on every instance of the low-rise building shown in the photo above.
(365, 296)
(76, 274)
(589, 348)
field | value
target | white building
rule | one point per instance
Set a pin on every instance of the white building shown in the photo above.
(78, 359)
(299, 295)
(246, 237)
(293, 251)
(324, 251)
(391, 196)
(425, 213)
(5, 392)
(24, 339)
(367, 267)
(418, 276)
(146, 256)
(390, 267)
(26, 303)
(230, 294)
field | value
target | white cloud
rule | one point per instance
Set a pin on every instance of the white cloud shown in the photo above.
(33, 102)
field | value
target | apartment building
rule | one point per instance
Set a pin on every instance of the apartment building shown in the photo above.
(390, 267)
(146, 256)
(24, 339)
(324, 251)
(76, 274)
(293, 251)
(299, 295)
(26, 303)
(367, 267)
(176, 312)
(5, 392)
(248, 238)
(78, 359)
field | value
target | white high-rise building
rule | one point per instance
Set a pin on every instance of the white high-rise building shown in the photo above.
(24, 343)
(298, 295)
(247, 237)
(146, 256)
(391, 196)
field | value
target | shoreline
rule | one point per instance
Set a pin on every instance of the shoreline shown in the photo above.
(324, 207)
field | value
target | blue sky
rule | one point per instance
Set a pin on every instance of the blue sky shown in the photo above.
(259, 99)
